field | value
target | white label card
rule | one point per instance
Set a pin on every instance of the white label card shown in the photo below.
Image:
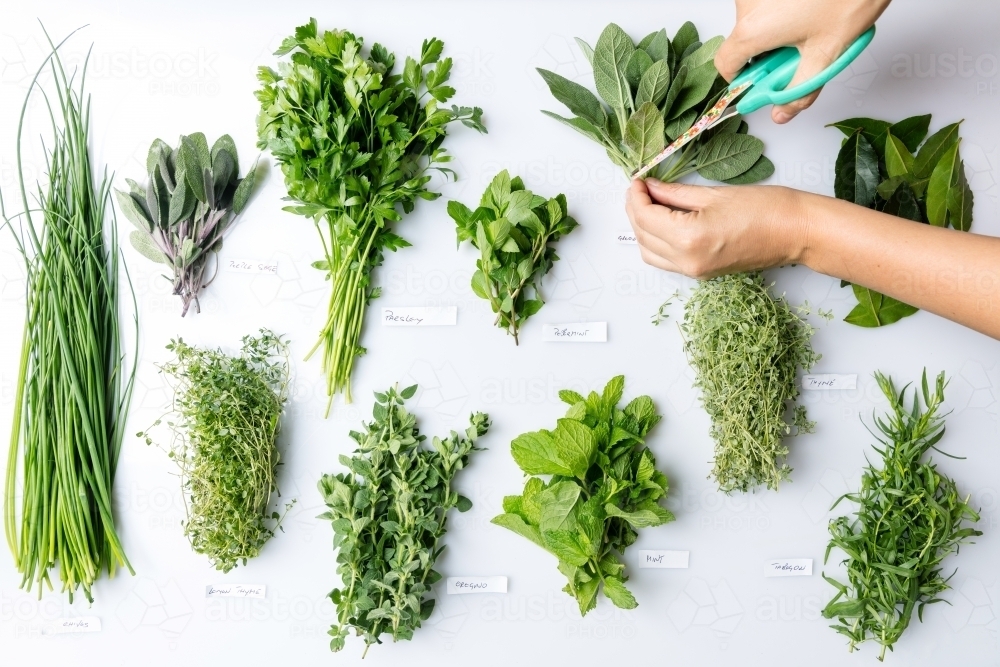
(577, 332)
(465, 585)
(252, 266)
(420, 316)
(789, 567)
(235, 591)
(626, 238)
(663, 559)
(830, 381)
(77, 624)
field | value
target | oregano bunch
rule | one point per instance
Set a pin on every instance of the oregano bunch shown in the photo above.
(192, 197)
(909, 518)
(652, 92)
(747, 347)
(602, 487)
(512, 229)
(897, 169)
(228, 410)
(389, 514)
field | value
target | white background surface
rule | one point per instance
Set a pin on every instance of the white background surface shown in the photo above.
(161, 69)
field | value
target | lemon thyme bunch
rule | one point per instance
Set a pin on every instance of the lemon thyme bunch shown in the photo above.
(355, 140)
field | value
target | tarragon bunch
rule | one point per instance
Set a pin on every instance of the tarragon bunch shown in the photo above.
(192, 197)
(512, 229)
(389, 515)
(909, 518)
(604, 487)
(652, 93)
(897, 169)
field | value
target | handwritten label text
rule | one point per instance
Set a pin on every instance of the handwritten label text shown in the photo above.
(464, 585)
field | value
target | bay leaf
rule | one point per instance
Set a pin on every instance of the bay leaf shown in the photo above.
(911, 131)
(857, 174)
(933, 149)
(898, 159)
(943, 177)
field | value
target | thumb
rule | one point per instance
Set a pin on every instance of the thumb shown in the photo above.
(742, 45)
(678, 195)
(814, 59)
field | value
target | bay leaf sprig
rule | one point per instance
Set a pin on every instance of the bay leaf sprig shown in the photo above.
(909, 518)
(389, 515)
(897, 169)
(191, 198)
(649, 94)
(603, 487)
(512, 228)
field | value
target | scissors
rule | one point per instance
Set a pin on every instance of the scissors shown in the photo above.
(764, 81)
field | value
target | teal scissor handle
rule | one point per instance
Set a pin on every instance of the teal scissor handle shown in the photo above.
(770, 74)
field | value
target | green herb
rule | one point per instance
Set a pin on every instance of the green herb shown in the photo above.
(512, 229)
(73, 391)
(746, 347)
(191, 199)
(662, 315)
(891, 168)
(355, 141)
(652, 93)
(229, 409)
(604, 487)
(389, 515)
(909, 518)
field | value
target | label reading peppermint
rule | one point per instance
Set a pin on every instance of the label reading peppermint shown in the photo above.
(576, 332)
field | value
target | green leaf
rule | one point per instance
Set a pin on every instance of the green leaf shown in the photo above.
(189, 160)
(181, 204)
(463, 504)
(704, 54)
(729, 155)
(761, 169)
(536, 454)
(686, 35)
(644, 133)
(134, 211)
(873, 130)
(577, 99)
(225, 143)
(569, 396)
(574, 445)
(657, 45)
(565, 545)
(611, 54)
(677, 126)
(582, 126)
(147, 248)
(697, 84)
(618, 594)
(911, 131)
(903, 203)
(934, 149)
(516, 524)
(857, 174)
(653, 515)
(241, 197)
(875, 309)
(943, 177)
(959, 202)
(654, 84)
(157, 148)
(674, 91)
(587, 50)
(638, 63)
(558, 504)
(898, 159)
(613, 391)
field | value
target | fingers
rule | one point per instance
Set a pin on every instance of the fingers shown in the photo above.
(679, 195)
(738, 49)
(814, 60)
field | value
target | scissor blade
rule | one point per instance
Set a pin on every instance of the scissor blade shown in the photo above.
(713, 117)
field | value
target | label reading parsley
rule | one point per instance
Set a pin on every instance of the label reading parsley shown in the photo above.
(420, 316)
(663, 559)
(829, 381)
(236, 591)
(465, 585)
(252, 266)
(577, 332)
(626, 238)
(789, 567)
(76, 624)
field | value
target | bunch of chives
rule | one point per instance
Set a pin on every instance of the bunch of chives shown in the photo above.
(72, 390)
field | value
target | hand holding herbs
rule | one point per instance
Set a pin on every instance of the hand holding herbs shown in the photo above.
(512, 229)
(355, 140)
(389, 515)
(229, 410)
(746, 347)
(604, 486)
(192, 197)
(910, 516)
(890, 167)
(652, 92)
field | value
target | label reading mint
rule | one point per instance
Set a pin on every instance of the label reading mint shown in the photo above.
(830, 381)
(626, 238)
(465, 585)
(577, 332)
(663, 559)
(420, 316)
(63, 626)
(789, 567)
(252, 266)
(235, 591)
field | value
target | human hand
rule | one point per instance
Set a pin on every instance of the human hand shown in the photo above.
(820, 29)
(705, 231)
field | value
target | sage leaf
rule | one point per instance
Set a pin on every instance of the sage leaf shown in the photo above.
(857, 174)
(644, 133)
(697, 84)
(225, 143)
(686, 35)
(614, 48)
(637, 65)
(577, 99)
(726, 156)
(147, 248)
(944, 175)
(657, 45)
(134, 210)
(704, 53)
(587, 50)
(654, 84)
(674, 91)
(761, 169)
(679, 125)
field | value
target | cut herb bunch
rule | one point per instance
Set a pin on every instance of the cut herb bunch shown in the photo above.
(890, 167)
(389, 515)
(355, 141)
(652, 93)
(192, 197)
(73, 389)
(229, 410)
(746, 347)
(909, 518)
(604, 488)
(512, 229)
